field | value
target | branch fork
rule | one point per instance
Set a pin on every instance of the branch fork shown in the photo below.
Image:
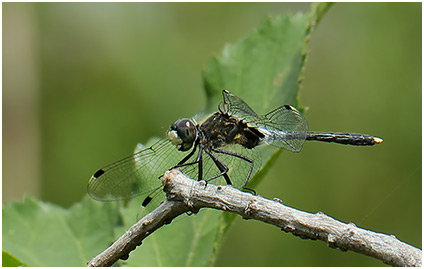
(187, 195)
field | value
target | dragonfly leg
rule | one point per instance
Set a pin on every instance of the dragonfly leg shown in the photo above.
(221, 166)
(223, 151)
(198, 161)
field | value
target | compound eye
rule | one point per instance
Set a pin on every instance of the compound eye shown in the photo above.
(185, 130)
(182, 134)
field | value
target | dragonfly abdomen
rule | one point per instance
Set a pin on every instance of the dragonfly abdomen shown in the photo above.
(344, 138)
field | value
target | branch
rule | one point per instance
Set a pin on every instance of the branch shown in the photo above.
(133, 237)
(185, 194)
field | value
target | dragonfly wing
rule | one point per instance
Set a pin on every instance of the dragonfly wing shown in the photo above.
(233, 105)
(135, 175)
(284, 127)
(154, 199)
(238, 168)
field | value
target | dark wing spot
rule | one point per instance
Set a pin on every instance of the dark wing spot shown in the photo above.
(147, 201)
(288, 107)
(98, 173)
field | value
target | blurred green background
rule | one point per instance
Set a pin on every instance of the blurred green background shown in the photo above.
(83, 83)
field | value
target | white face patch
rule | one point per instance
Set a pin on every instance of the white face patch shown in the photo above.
(174, 138)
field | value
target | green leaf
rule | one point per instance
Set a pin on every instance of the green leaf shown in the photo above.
(8, 260)
(187, 241)
(264, 68)
(261, 68)
(42, 234)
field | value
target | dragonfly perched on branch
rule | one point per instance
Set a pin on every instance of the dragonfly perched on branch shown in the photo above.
(222, 147)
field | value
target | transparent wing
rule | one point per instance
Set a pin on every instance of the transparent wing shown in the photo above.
(135, 175)
(284, 127)
(237, 168)
(138, 174)
(155, 198)
(233, 105)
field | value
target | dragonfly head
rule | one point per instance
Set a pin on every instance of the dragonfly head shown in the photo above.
(182, 134)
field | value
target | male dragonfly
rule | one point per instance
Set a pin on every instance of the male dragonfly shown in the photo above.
(222, 148)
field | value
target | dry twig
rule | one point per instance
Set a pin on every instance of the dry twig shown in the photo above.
(185, 194)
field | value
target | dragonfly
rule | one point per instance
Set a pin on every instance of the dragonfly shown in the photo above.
(223, 147)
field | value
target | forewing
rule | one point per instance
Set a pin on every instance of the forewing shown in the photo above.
(135, 175)
(233, 105)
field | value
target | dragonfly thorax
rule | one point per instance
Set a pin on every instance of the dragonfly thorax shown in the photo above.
(222, 129)
(182, 134)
